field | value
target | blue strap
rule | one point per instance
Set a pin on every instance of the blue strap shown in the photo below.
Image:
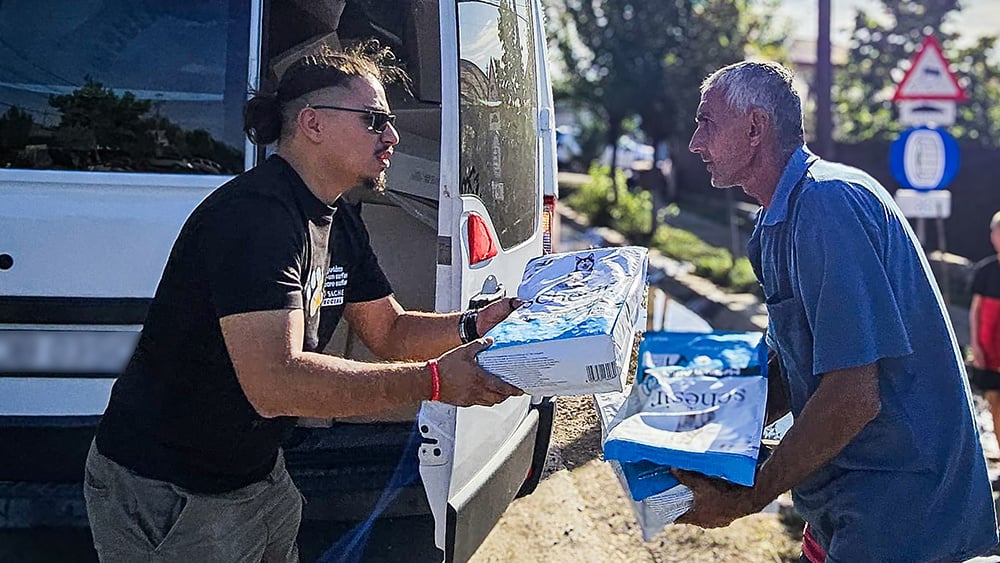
(350, 548)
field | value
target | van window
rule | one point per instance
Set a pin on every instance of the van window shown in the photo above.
(497, 114)
(123, 85)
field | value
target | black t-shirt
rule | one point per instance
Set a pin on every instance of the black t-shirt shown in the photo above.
(986, 278)
(178, 413)
(354, 275)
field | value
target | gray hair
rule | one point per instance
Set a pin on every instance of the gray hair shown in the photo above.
(767, 86)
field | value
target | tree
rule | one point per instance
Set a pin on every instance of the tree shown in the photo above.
(15, 129)
(708, 35)
(880, 53)
(612, 54)
(978, 119)
(647, 58)
(101, 128)
(95, 118)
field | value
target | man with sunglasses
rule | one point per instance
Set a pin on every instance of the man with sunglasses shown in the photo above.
(186, 464)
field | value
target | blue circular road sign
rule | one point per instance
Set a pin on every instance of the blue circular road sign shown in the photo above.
(924, 158)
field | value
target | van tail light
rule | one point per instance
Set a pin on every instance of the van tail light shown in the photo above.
(548, 217)
(481, 244)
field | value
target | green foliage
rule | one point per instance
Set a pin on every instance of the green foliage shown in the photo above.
(631, 214)
(741, 277)
(978, 119)
(15, 129)
(621, 58)
(707, 35)
(709, 261)
(879, 55)
(593, 198)
(95, 117)
(15, 125)
(100, 129)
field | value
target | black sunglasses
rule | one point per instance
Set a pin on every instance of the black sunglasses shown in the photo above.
(380, 119)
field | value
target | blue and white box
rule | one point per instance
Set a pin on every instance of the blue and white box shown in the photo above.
(575, 333)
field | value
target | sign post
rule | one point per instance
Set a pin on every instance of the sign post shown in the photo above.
(924, 159)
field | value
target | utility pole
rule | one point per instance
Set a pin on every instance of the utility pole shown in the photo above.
(824, 82)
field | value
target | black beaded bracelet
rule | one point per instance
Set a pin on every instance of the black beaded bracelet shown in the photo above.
(467, 329)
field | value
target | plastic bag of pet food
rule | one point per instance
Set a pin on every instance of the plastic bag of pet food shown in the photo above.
(698, 403)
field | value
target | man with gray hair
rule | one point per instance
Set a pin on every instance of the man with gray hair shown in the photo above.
(884, 459)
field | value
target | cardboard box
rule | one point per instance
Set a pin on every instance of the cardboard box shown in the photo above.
(575, 333)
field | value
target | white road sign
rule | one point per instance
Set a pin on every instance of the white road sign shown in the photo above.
(929, 77)
(922, 204)
(940, 113)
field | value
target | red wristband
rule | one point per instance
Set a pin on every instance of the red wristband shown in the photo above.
(432, 365)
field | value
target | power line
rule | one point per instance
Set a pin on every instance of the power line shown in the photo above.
(17, 73)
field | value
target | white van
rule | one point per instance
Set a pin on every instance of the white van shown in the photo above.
(118, 117)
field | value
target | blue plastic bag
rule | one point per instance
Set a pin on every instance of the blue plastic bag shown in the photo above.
(657, 497)
(698, 403)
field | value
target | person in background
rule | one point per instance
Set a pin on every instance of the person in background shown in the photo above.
(884, 459)
(186, 464)
(984, 328)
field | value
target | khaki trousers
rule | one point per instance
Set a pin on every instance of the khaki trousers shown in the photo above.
(135, 519)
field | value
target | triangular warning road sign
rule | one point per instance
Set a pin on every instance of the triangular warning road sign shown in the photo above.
(929, 77)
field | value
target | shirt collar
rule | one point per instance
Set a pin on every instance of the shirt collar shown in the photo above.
(314, 208)
(797, 165)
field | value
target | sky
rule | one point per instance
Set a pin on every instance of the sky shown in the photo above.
(977, 17)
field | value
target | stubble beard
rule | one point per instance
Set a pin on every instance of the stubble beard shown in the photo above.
(723, 183)
(376, 183)
(718, 184)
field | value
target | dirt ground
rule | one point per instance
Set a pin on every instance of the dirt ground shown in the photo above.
(580, 514)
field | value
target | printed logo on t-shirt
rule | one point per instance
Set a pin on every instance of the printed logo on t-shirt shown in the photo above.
(333, 288)
(314, 291)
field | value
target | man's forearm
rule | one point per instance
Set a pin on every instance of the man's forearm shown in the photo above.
(333, 387)
(420, 336)
(844, 403)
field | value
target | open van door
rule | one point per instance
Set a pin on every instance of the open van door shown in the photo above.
(461, 216)
(475, 460)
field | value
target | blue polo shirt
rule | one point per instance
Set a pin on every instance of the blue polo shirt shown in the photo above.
(847, 284)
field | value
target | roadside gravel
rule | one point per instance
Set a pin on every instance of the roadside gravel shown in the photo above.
(579, 514)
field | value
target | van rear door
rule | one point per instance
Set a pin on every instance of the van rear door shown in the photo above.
(489, 225)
